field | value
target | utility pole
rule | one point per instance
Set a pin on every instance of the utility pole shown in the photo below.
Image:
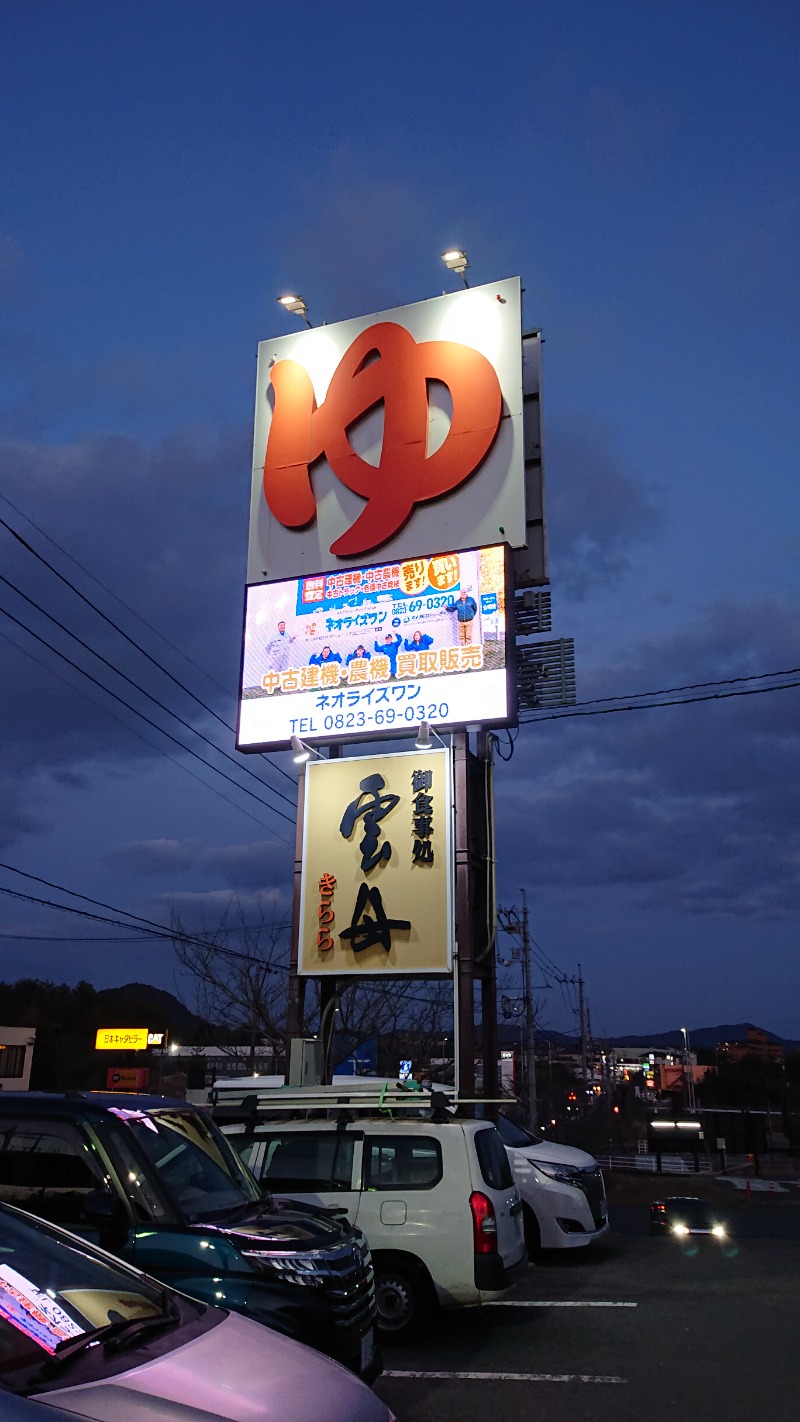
(584, 1064)
(511, 921)
(530, 1018)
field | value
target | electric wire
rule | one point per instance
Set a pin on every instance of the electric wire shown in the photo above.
(149, 696)
(111, 593)
(155, 934)
(132, 641)
(162, 731)
(159, 750)
(566, 714)
(693, 686)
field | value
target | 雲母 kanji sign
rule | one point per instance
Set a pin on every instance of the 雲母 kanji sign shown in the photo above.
(376, 891)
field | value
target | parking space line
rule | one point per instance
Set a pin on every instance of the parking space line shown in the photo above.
(560, 1303)
(503, 1377)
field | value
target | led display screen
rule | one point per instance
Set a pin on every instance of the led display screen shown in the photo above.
(366, 652)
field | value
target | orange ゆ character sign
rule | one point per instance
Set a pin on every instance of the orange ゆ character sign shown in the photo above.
(302, 432)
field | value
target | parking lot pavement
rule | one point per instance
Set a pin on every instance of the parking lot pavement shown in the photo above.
(636, 1328)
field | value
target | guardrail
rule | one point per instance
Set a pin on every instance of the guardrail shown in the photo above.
(670, 1164)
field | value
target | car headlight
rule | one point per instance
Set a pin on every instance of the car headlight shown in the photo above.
(719, 1231)
(568, 1174)
(680, 1230)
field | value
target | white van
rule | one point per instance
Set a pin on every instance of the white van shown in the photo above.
(562, 1189)
(434, 1195)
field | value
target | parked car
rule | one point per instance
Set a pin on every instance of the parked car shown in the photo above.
(683, 1215)
(562, 1189)
(81, 1331)
(434, 1195)
(156, 1183)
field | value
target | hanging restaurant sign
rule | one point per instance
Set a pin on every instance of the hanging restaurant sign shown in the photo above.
(376, 887)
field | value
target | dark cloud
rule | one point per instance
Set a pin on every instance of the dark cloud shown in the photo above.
(690, 809)
(154, 856)
(17, 818)
(241, 867)
(246, 867)
(599, 513)
(165, 529)
(208, 910)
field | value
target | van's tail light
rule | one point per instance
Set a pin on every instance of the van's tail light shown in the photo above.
(484, 1224)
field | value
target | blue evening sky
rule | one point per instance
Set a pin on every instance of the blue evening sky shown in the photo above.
(167, 169)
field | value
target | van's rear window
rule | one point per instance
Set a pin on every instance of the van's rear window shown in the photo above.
(493, 1160)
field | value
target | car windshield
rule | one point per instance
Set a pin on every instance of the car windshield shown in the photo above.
(53, 1290)
(195, 1164)
(691, 1212)
(516, 1136)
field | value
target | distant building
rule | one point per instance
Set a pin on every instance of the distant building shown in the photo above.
(757, 1044)
(16, 1056)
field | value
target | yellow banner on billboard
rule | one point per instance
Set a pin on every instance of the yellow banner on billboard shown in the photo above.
(121, 1039)
(377, 880)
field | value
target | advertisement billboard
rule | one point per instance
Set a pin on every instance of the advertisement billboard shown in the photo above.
(376, 894)
(376, 650)
(378, 437)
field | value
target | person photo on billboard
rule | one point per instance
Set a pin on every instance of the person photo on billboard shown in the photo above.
(465, 610)
(420, 642)
(389, 648)
(276, 650)
(360, 654)
(323, 658)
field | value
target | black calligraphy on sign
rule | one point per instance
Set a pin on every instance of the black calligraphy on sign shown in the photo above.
(422, 817)
(365, 931)
(374, 807)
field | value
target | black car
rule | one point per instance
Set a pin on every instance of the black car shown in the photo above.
(685, 1215)
(155, 1182)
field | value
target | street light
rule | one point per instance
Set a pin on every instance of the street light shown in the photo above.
(295, 305)
(688, 1073)
(456, 260)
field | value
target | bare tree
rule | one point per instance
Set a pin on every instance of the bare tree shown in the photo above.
(240, 974)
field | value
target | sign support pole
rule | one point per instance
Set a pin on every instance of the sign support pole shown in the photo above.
(297, 984)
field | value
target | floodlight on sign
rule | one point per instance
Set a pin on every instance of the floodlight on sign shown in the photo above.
(426, 737)
(455, 259)
(296, 306)
(301, 752)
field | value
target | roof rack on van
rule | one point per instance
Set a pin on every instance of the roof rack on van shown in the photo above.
(369, 1098)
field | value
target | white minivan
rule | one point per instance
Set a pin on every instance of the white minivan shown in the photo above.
(435, 1198)
(562, 1189)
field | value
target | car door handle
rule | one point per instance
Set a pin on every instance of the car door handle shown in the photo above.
(516, 1206)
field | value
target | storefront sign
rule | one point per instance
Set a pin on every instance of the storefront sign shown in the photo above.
(376, 890)
(389, 434)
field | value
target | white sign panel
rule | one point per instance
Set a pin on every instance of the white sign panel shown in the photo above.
(380, 437)
(370, 651)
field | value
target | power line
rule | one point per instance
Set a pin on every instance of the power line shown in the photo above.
(655, 705)
(160, 704)
(693, 686)
(111, 593)
(40, 557)
(107, 689)
(160, 935)
(159, 750)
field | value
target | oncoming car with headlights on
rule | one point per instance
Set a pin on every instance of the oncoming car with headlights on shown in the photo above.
(684, 1215)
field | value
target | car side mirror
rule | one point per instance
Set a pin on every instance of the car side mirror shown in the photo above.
(103, 1207)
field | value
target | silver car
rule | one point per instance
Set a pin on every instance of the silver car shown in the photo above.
(81, 1331)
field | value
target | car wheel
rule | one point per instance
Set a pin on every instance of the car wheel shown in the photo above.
(533, 1236)
(402, 1300)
